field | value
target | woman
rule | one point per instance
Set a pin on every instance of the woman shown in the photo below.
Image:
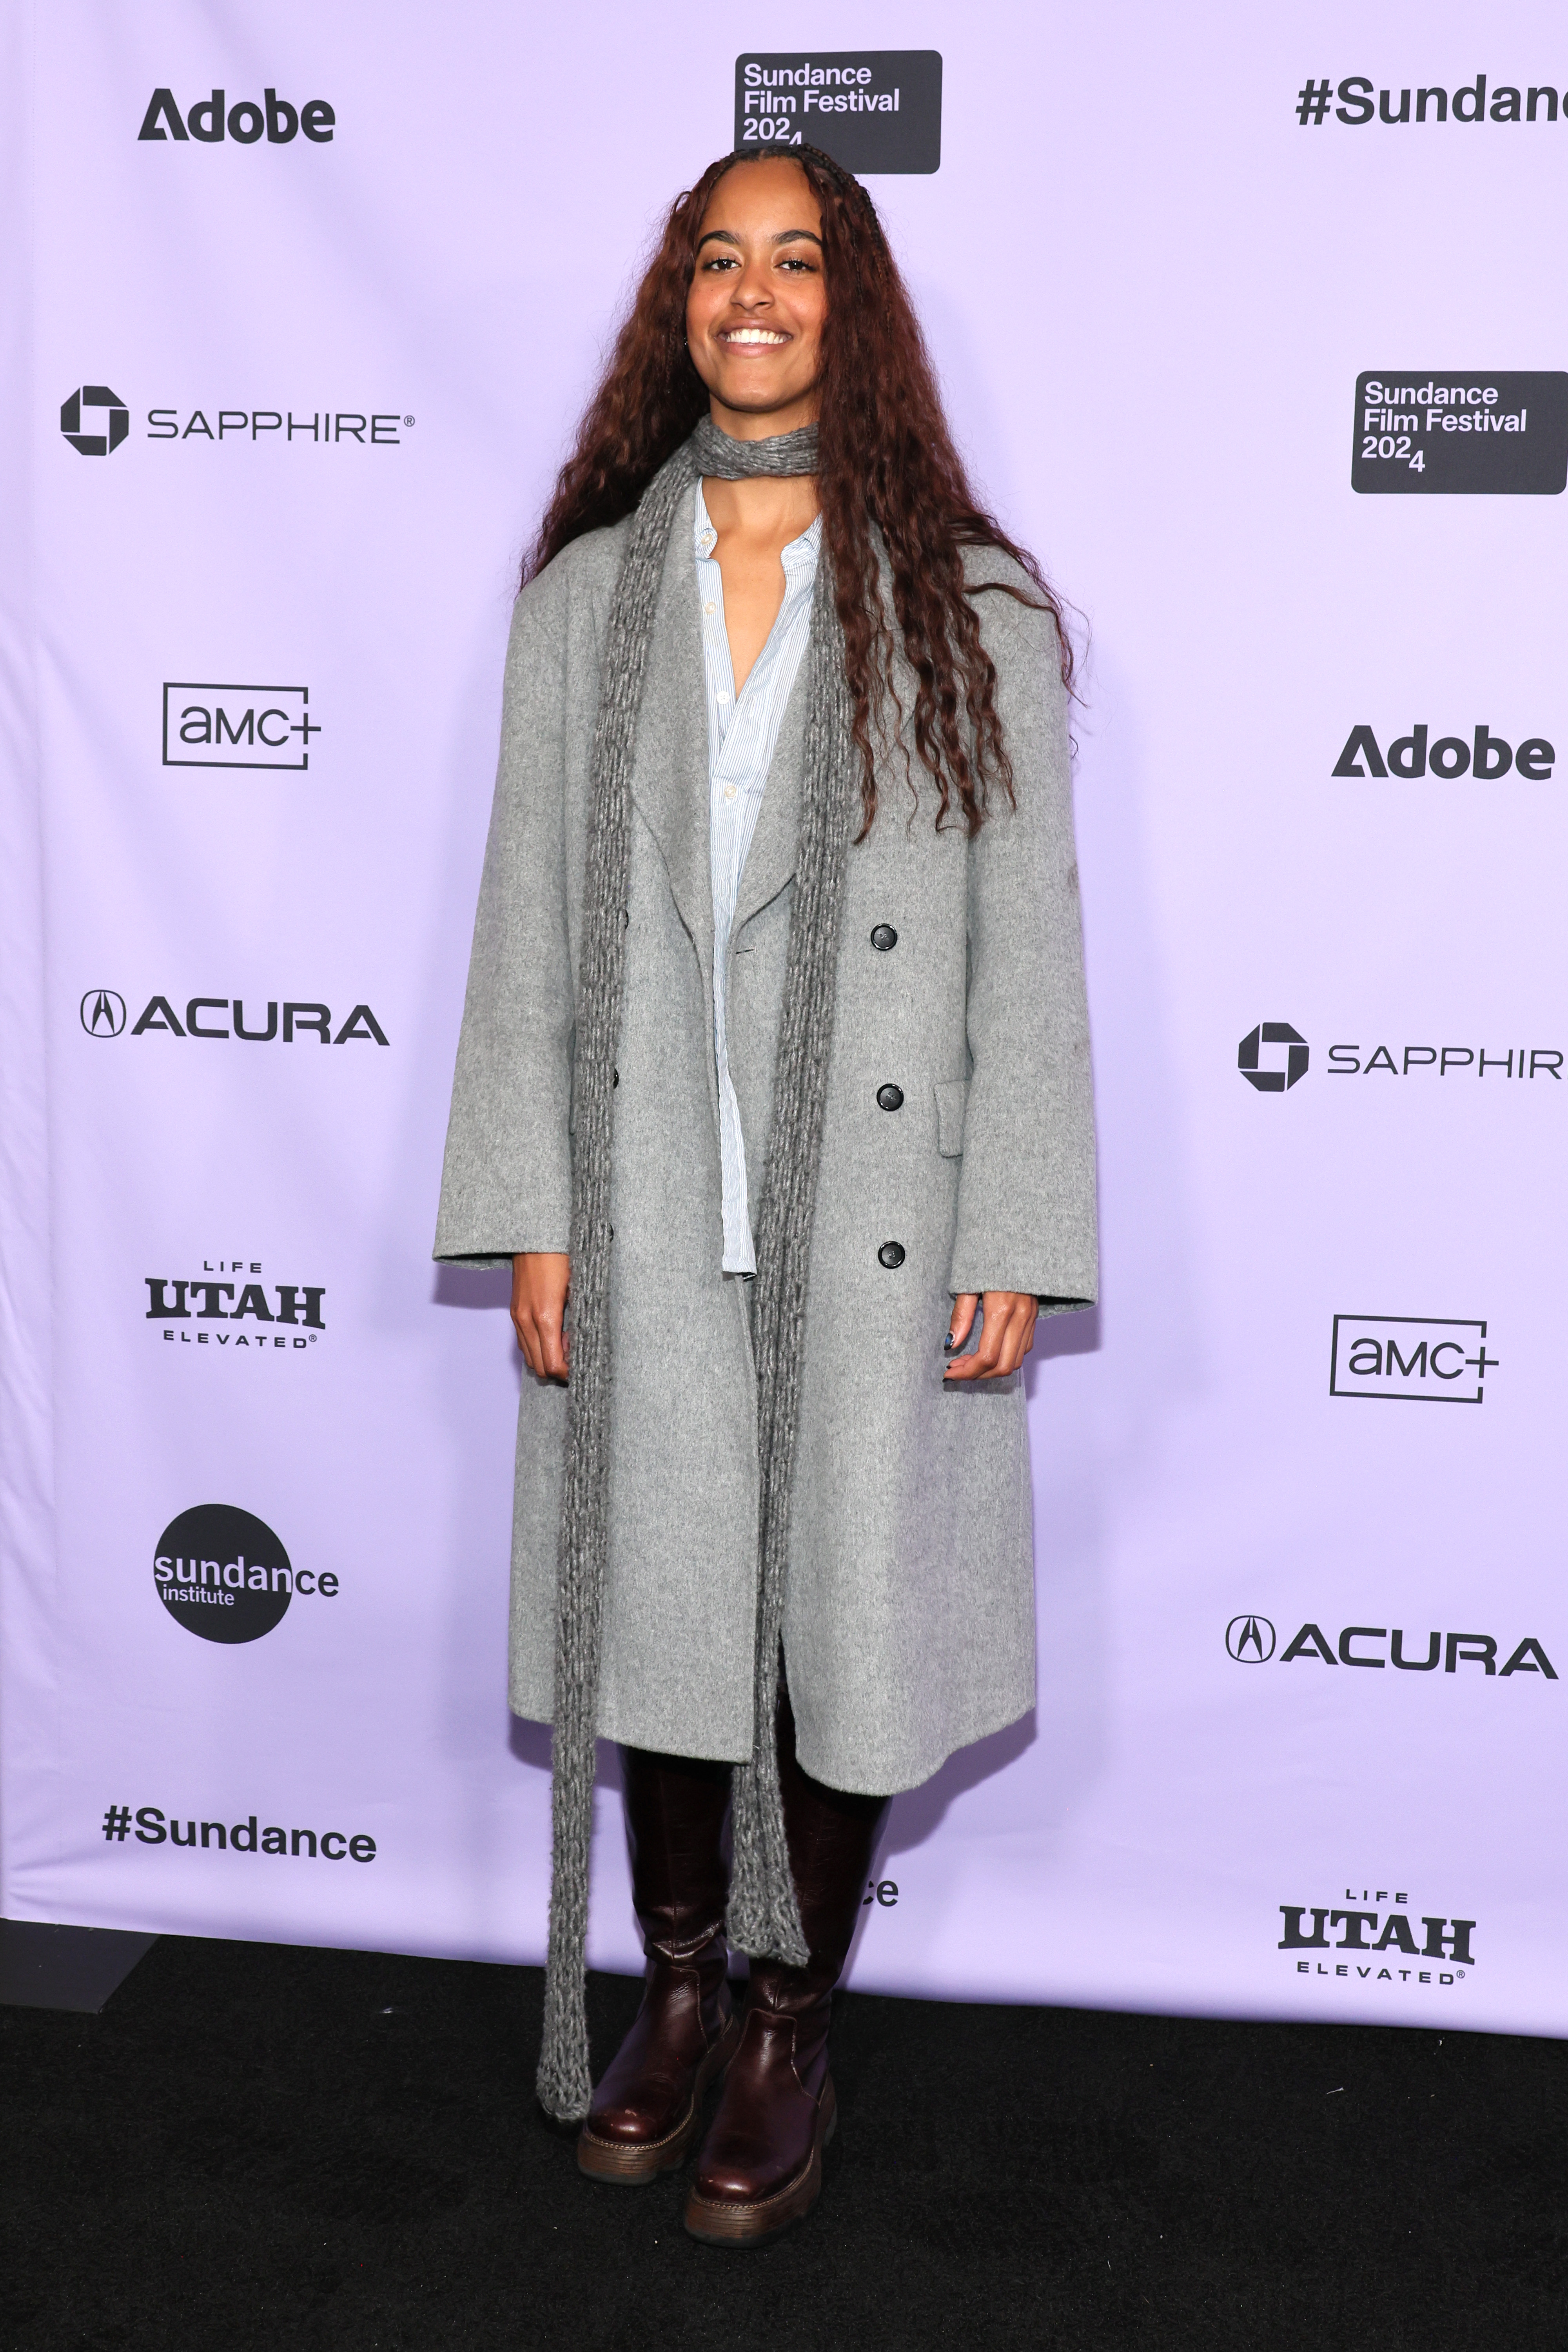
(774, 1064)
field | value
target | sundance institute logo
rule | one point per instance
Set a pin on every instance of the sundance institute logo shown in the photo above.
(102, 427)
(223, 1574)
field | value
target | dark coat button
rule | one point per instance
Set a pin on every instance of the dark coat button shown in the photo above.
(883, 938)
(890, 1255)
(889, 1097)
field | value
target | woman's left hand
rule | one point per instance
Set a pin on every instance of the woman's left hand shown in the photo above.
(1005, 1338)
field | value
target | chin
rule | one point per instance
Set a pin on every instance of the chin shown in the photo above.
(757, 399)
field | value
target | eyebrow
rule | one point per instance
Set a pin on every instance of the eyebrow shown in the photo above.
(784, 236)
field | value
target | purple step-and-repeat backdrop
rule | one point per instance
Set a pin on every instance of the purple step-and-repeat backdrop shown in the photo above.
(1250, 326)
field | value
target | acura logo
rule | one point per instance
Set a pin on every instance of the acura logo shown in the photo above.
(102, 1012)
(1249, 1639)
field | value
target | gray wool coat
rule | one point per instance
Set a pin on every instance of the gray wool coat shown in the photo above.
(909, 1621)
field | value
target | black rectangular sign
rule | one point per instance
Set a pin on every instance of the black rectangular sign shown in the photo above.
(1481, 433)
(870, 109)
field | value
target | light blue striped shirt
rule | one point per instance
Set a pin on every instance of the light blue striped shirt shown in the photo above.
(741, 736)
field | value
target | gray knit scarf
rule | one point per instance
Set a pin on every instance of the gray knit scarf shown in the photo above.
(763, 1916)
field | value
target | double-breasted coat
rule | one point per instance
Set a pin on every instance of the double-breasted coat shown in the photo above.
(909, 1622)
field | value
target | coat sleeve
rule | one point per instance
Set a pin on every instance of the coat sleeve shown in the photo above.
(1027, 1187)
(506, 1184)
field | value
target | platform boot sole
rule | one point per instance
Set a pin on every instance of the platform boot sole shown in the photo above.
(717, 2222)
(628, 2164)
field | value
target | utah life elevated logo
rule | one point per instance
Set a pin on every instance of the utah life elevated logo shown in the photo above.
(1441, 1938)
(212, 726)
(870, 109)
(299, 1308)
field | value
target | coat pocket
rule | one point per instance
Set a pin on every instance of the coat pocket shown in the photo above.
(951, 1100)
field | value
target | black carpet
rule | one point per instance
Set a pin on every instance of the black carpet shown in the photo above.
(258, 2145)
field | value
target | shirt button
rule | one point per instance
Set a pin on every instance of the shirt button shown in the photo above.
(710, 608)
(883, 938)
(889, 1097)
(723, 697)
(729, 792)
(891, 1255)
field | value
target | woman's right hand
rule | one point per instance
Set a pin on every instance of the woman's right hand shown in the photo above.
(539, 1284)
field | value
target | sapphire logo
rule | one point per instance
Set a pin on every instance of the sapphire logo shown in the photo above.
(1273, 1079)
(104, 1013)
(103, 427)
(1249, 1639)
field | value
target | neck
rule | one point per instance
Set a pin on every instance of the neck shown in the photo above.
(771, 508)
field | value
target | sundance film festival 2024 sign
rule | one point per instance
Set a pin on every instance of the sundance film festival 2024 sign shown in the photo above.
(871, 109)
(263, 640)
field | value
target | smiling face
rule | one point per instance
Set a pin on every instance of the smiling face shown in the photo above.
(757, 300)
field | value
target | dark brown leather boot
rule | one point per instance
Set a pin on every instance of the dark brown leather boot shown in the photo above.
(761, 2166)
(645, 2111)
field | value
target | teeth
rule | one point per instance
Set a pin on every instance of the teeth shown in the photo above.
(753, 335)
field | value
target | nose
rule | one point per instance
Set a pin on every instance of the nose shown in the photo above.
(753, 289)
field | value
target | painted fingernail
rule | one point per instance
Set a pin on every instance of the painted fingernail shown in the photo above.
(949, 1342)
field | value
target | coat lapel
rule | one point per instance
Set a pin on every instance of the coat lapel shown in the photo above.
(669, 775)
(770, 859)
(670, 772)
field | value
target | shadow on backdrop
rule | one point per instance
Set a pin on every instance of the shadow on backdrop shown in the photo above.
(472, 1286)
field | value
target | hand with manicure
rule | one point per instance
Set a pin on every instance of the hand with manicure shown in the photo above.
(1006, 1335)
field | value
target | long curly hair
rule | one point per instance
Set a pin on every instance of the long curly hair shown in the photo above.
(888, 469)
